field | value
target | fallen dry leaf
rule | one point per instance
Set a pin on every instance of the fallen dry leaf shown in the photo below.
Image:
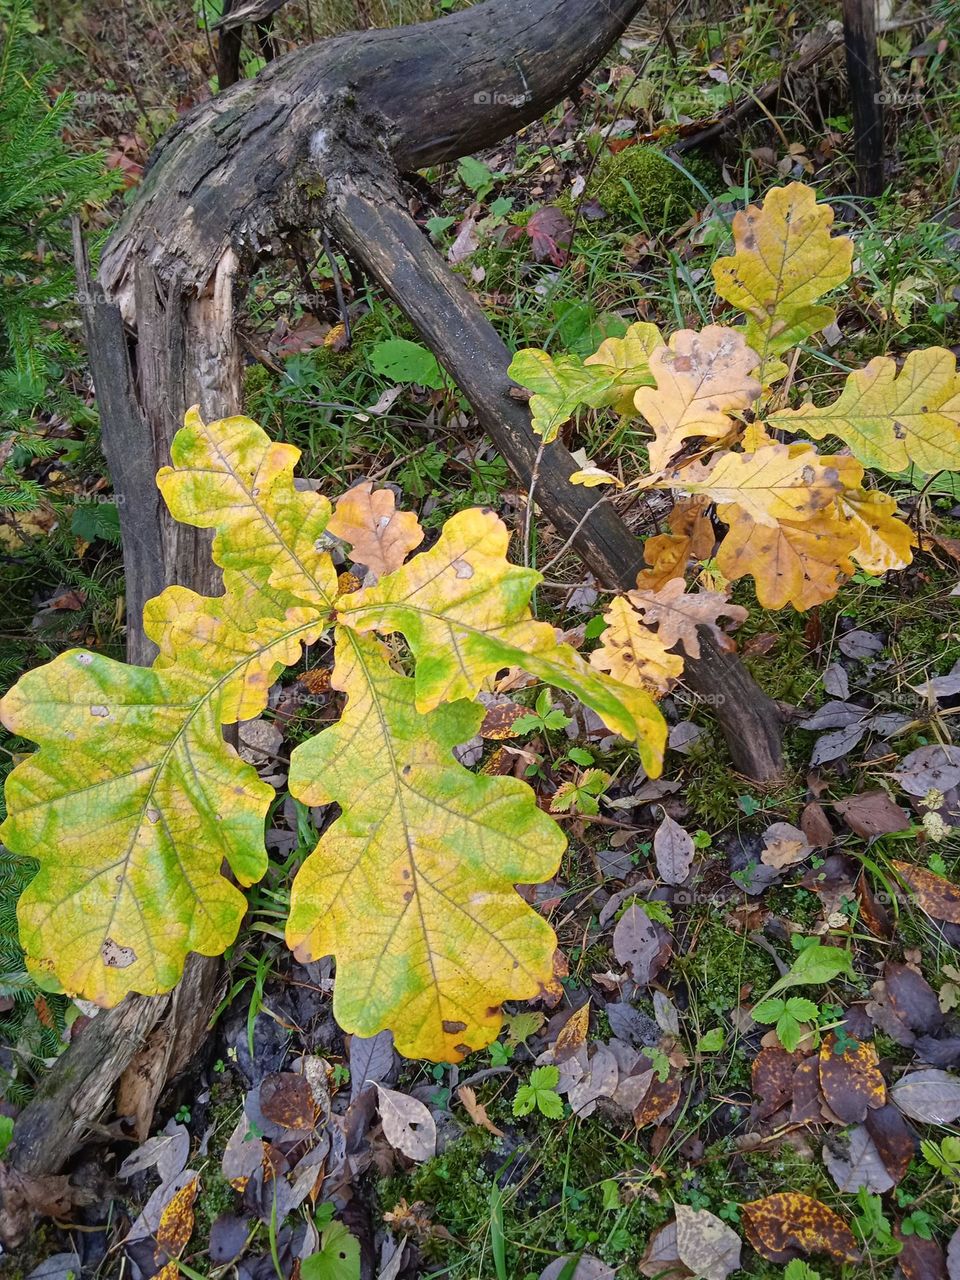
(661, 1259)
(659, 1102)
(673, 850)
(706, 1244)
(893, 1140)
(931, 1096)
(935, 896)
(851, 1081)
(779, 1225)
(379, 536)
(572, 1035)
(855, 1162)
(407, 1124)
(477, 1111)
(287, 1099)
(871, 814)
(641, 945)
(784, 845)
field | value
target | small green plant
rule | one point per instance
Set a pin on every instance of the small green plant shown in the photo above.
(793, 1017)
(581, 795)
(544, 718)
(540, 1094)
(6, 1134)
(943, 1156)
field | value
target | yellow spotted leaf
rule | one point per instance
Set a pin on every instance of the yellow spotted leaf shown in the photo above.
(412, 888)
(379, 536)
(885, 542)
(176, 1220)
(780, 1224)
(786, 258)
(627, 360)
(633, 653)
(134, 803)
(800, 563)
(701, 378)
(777, 482)
(464, 610)
(892, 420)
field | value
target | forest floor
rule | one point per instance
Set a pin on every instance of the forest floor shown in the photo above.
(566, 234)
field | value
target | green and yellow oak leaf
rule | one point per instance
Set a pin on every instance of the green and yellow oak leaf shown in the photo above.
(560, 387)
(701, 378)
(133, 801)
(892, 420)
(464, 610)
(785, 260)
(230, 476)
(412, 888)
(627, 361)
(634, 654)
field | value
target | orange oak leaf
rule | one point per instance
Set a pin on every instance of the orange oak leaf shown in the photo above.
(378, 535)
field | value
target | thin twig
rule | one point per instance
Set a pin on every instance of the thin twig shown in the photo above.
(528, 514)
(337, 284)
(576, 529)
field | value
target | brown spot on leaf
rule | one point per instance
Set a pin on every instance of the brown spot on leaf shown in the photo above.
(114, 956)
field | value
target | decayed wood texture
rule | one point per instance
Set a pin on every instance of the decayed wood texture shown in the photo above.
(863, 74)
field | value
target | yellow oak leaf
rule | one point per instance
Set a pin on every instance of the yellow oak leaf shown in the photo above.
(778, 482)
(634, 654)
(801, 563)
(590, 477)
(677, 613)
(412, 888)
(379, 536)
(785, 260)
(230, 476)
(627, 360)
(133, 803)
(700, 379)
(892, 420)
(464, 610)
(885, 542)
